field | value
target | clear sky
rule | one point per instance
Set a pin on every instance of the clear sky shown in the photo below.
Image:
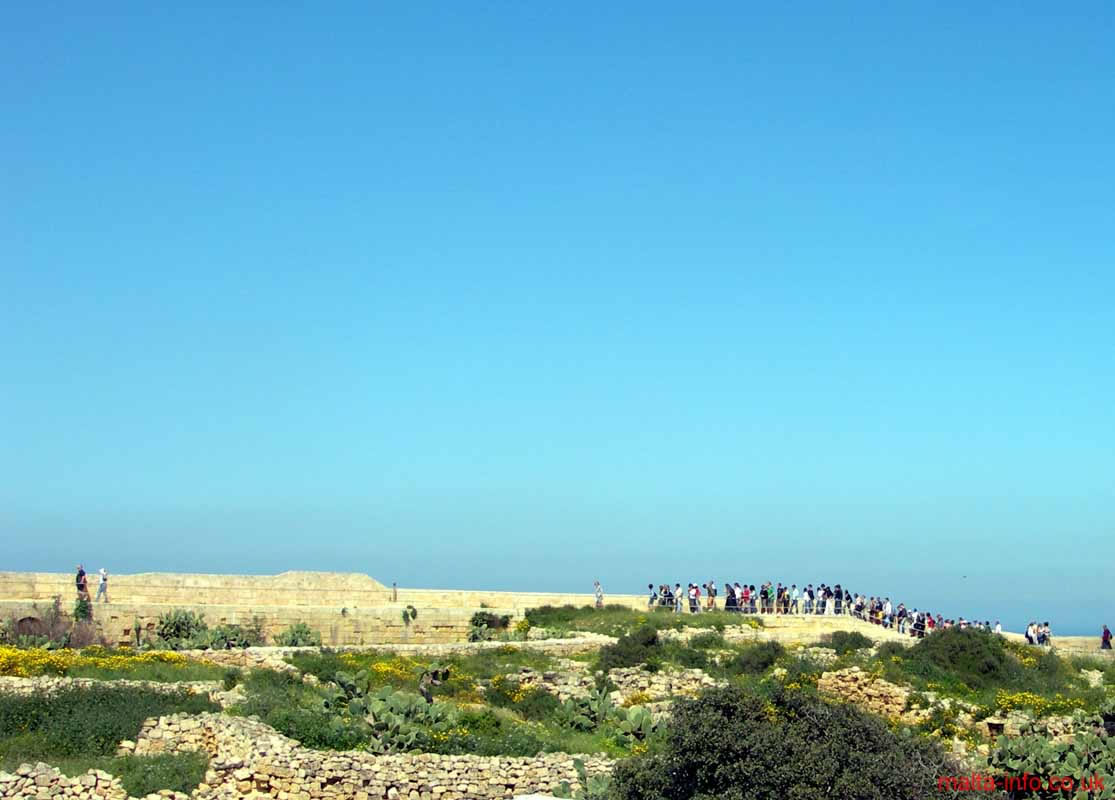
(513, 295)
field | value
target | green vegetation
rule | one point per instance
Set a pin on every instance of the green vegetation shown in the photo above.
(80, 728)
(298, 635)
(989, 671)
(104, 664)
(768, 734)
(139, 775)
(755, 659)
(733, 743)
(154, 671)
(179, 629)
(844, 642)
(637, 647)
(615, 620)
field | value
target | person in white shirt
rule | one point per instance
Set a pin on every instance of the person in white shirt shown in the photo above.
(102, 587)
(998, 627)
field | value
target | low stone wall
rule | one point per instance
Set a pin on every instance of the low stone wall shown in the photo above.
(248, 756)
(51, 683)
(44, 782)
(272, 657)
(572, 679)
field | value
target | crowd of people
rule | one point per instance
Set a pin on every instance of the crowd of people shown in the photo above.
(82, 582)
(771, 598)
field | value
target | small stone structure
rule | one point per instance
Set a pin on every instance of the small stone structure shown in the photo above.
(865, 690)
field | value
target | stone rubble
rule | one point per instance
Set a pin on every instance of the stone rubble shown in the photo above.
(867, 691)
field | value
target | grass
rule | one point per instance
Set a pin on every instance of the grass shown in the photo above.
(616, 620)
(139, 775)
(80, 728)
(156, 672)
(402, 672)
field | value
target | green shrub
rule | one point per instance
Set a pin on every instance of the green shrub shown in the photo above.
(298, 635)
(844, 642)
(754, 659)
(631, 650)
(687, 657)
(976, 657)
(179, 629)
(708, 640)
(233, 637)
(530, 702)
(729, 743)
(889, 650)
(493, 622)
(231, 678)
(83, 610)
(803, 672)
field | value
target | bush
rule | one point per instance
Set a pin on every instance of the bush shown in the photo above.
(755, 659)
(83, 610)
(179, 629)
(492, 622)
(709, 640)
(530, 702)
(687, 657)
(231, 678)
(298, 635)
(230, 637)
(729, 743)
(976, 657)
(844, 642)
(631, 650)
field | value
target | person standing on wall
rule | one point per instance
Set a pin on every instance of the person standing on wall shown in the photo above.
(102, 587)
(80, 580)
(598, 590)
(1105, 639)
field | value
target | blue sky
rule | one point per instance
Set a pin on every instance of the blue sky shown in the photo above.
(514, 296)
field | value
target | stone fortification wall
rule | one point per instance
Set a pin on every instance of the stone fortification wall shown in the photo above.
(345, 608)
(296, 589)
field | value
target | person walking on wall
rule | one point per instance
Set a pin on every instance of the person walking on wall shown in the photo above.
(1105, 639)
(102, 587)
(81, 582)
(598, 590)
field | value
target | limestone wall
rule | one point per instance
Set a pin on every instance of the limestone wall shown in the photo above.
(310, 589)
(346, 608)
